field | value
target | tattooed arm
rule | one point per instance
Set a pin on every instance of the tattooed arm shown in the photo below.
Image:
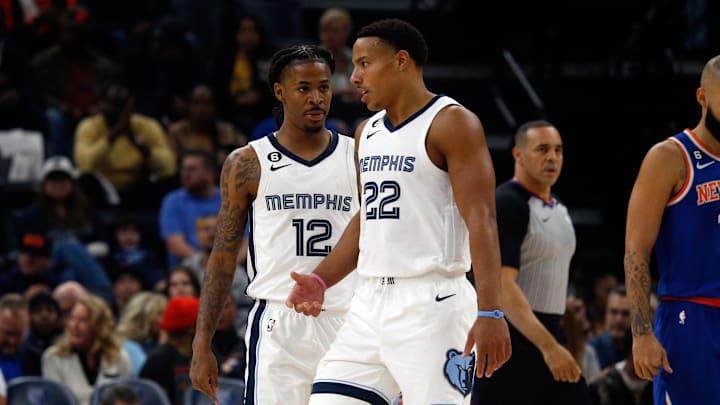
(662, 174)
(238, 186)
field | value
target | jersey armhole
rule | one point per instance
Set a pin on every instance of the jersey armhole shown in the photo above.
(677, 197)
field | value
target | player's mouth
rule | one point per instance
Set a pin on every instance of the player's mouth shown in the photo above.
(316, 114)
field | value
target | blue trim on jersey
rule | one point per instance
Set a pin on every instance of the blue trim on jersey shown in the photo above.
(285, 151)
(253, 349)
(390, 126)
(688, 242)
(348, 391)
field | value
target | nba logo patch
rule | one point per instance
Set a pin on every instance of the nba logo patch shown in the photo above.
(682, 317)
(459, 371)
(270, 325)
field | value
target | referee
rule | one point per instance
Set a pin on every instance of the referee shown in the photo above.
(537, 241)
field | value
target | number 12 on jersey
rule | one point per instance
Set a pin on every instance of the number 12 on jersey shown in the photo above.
(321, 230)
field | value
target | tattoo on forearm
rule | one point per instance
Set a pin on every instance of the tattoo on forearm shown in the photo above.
(215, 289)
(637, 274)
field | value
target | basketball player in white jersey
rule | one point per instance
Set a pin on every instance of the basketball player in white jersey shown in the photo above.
(297, 187)
(427, 214)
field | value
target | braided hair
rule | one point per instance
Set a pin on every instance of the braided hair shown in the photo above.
(293, 55)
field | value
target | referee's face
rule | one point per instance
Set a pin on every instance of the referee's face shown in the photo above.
(540, 158)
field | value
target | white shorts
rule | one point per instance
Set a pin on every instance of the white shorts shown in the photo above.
(283, 351)
(402, 334)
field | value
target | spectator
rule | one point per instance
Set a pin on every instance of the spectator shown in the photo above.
(577, 329)
(602, 285)
(169, 364)
(610, 346)
(88, 353)
(130, 150)
(619, 384)
(119, 394)
(202, 130)
(66, 295)
(13, 324)
(182, 281)
(127, 282)
(3, 389)
(241, 86)
(44, 330)
(334, 29)
(228, 344)
(141, 318)
(129, 249)
(199, 196)
(69, 77)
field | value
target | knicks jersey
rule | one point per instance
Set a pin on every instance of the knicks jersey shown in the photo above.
(410, 224)
(301, 209)
(688, 244)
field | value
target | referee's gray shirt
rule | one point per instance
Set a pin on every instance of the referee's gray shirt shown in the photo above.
(538, 239)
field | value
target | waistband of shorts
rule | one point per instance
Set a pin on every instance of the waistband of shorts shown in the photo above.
(708, 301)
(280, 306)
(391, 281)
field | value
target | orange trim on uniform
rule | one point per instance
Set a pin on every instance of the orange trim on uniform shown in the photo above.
(706, 149)
(688, 173)
(710, 302)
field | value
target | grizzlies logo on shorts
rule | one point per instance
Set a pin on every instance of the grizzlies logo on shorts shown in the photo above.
(459, 371)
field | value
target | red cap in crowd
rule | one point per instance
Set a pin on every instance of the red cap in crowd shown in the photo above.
(180, 313)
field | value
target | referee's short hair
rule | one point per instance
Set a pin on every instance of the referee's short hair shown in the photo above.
(119, 392)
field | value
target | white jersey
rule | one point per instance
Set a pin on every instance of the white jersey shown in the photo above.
(301, 209)
(410, 224)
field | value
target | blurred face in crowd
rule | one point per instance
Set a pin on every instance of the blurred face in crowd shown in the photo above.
(247, 35)
(334, 34)
(33, 264)
(79, 328)
(58, 186)
(125, 286)
(181, 285)
(117, 98)
(576, 307)
(206, 232)
(602, 288)
(127, 236)
(195, 175)
(44, 319)
(540, 157)
(12, 329)
(617, 315)
(202, 104)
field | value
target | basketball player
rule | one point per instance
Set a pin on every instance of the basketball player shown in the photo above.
(675, 207)
(299, 185)
(537, 243)
(427, 214)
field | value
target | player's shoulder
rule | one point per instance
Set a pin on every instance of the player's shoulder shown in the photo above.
(668, 150)
(243, 161)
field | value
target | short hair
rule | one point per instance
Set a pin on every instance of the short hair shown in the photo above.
(521, 133)
(620, 290)
(710, 72)
(399, 34)
(207, 157)
(13, 302)
(118, 392)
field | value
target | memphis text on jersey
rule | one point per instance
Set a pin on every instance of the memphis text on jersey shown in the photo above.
(391, 163)
(291, 201)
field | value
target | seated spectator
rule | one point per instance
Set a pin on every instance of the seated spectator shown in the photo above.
(619, 384)
(611, 346)
(66, 295)
(198, 197)
(44, 330)
(69, 77)
(13, 325)
(129, 249)
(61, 210)
(198, 263)
(602, 285)
(119, 394)
(88, 353)
(128, 149)
(182, 281)
(202, 130)
(127, 282)
(169, 364)
(3, 389)
(228, 345)
(577, 329)
(141, 318)
(41, 266)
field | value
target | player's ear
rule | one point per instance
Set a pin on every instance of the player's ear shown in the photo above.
(516, 153)
(402, 59)
(278, 91)
(700, 96)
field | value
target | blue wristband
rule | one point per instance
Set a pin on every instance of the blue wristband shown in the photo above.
(496, 314)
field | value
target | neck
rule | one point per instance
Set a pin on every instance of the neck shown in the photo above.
(203, 192)
(182, 343)
(706, 137)
(307, 145)
(408, 102)
(540, 190)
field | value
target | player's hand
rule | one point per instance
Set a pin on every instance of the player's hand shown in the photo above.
(307, 296)
(491, 339)
(649, 356)
(204, 372)
(562, 364)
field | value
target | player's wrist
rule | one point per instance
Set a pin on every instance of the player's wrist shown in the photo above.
(494, 314)
(320, 281)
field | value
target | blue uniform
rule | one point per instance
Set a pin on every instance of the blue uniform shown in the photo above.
(687, 249)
